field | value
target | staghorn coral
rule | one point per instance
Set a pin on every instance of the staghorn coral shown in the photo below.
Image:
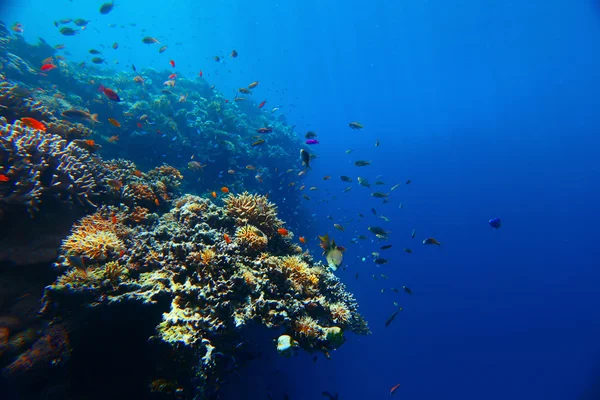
(253, 209)
(208, 288)
(40, 165)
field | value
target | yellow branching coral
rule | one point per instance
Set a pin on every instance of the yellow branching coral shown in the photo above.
(303, 278)
(94, 237)
(204, 257)
(255, 210)
(251, 238)
(340, 313)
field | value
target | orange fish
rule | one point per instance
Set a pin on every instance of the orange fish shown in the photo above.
(48, 67)
(283, 231)
(302, 240)
(214, 195)
(262, 104)
(156, 201)
(113, 139)
(394, 388)
(227, 238)
(172, 76)
(121, 253)
(137, 173)
(4, 178)
(113, 219)
(90, 142)
(33, 123)
(114, 122)
(224, 189)
(47, 61)
(172, 63)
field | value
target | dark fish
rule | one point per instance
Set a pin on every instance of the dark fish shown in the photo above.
(94, 51)
(362, 163)
(133, 68)
(356, 275)
(355, 125)
(407, 250)
(391, 318)
(431, 240)
(408, 182)
(310, 135)
(378, 231)
(407, 289)
(380, 261)
(387, 246)
(414, 232)
(162, 49)
(305, 156)
(258, 142)
(81, 22)
(379, 195)
(346, 178)
(21, 92)
(76, 262)
(98, 60)
(374, 211)
(495, 223)
(68, 31)
(106, 7)
(149, 40)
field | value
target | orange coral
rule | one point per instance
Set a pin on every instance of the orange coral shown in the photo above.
(303, 278)
(340, 313)
(142, 192)
(308, 327)
(94, 237)
(139, 214)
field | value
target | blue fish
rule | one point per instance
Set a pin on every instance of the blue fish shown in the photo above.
(495, 223)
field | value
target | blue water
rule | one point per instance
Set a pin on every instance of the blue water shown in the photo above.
(490, 109)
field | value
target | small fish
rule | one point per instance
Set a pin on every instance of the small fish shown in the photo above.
(114, 122)
(224, 189)
(59, 46)
(162, 49)
(413, 234)
(305, 156)
(386, 219)
(81, 22)
(214, 195)
(312, 188)
(345, 178)
(76, 262)
(258, 142)
(283, 231)
(18, 28)
(395, 187)
(111, 94)
(48, 67)
(217, 58)
(106, 7)
(377, 143)
(400, 205)
(378, 231)
(384, 276)
(312, 141)
(408, 182)
(253, 85)
(115, 46)
(394, 388)
(373, 211)
(151, 40)
(33, 123)
(349, 188)
(264, 130)
(362, 163)
(133, 68)
(391, 318)
(94, 51)
(495, 223)
(431, 240)
(327, 177)
(364, 182)
(349, 151)
(4, 178)
(68, 31)
(407, 250)
(407, 289)
(80, 115)
(387, 246)
(302, 240)
(172, 63)
(379, 195)
(234, 54)
(226, 238)
(380, 261)
(379, 183)
(113, 139)
(339, 227)
(355, 125)
(98, 60)
(250, 167)
(262, 104)
(306, 197)
(310, 135)
(115, 184)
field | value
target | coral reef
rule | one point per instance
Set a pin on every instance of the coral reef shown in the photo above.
(255, 210)
(210, 286)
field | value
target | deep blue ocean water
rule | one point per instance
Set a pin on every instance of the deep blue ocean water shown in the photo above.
(490, 108)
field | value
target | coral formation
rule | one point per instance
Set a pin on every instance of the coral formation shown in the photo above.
(255, 210)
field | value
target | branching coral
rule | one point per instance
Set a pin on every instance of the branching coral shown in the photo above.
(16, 102)
(253, 209)
(251, 238)
(95, 238)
